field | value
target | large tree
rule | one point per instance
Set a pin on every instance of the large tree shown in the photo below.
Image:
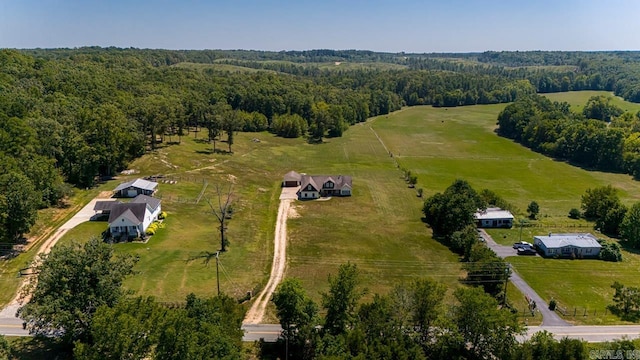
(603, 205)
(452, 210)
(73, 281)
(204, 329)
(487, 331)
(293, 307)
(128, 330)
(341, 300)
(630, 227)
(19, 202)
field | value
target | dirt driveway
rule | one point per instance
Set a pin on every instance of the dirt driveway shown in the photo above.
(256, 312)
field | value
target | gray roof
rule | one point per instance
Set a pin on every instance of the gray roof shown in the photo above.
(292, 176)
(562, 240)
(153, 202)
(493, 213)
(138, 183)
(134, 212)
(104, 205)
(340, 181)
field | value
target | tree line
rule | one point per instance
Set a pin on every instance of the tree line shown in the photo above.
(602, 137)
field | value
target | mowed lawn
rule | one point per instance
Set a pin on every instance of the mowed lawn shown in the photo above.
(378, 228)
(440, 145)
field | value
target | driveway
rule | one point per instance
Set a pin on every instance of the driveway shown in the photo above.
(9, 323)
(256, 312)
(549, 318)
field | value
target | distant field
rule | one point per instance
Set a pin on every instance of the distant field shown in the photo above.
(219, 67)
(440, 145)
(578, 99)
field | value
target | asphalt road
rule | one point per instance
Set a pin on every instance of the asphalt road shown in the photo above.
(255, 332)
(589, 333)
(549, 318)
(270, 332)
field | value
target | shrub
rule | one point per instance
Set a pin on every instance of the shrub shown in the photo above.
(151, 231)
(163, 215)
(610, 251)
(574, 213)
(552, 305)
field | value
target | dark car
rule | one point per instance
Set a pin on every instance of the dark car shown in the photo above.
(526, 251)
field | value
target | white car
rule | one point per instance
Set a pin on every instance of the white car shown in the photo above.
(522, 245)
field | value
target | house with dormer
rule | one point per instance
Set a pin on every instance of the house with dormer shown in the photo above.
(131, 220)
(316, 186)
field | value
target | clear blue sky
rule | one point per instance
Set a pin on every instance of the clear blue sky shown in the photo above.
(380, 25)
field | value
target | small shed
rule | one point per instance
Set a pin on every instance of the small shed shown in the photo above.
(136, 187)
(292, 179)
(494, 218)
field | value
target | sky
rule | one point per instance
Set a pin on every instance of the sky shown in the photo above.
(380, 25)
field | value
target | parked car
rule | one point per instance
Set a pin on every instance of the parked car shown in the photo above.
(522, 244)
(526, 251)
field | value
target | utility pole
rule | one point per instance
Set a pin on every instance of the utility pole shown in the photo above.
(506, 278)
(218, 272)
(521, 225)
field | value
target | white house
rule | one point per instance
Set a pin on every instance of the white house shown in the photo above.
(493, 218)
(568, 245)
(136, 187)
(315, 186)
(132, 219)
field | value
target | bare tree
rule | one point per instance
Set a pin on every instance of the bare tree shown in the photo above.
(221, 212)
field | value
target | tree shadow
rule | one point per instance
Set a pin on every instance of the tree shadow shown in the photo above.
(32, 348)
(632, 316)
(627, 247)
(216, 151)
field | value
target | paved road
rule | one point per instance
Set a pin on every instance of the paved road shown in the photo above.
(588, 333)
(270, 332)
(255, 332)
(549, 318)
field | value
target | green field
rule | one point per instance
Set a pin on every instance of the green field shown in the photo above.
(440, 145)
(578, 99)
(379, 227)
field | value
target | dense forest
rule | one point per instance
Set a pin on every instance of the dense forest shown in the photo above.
(71, 116)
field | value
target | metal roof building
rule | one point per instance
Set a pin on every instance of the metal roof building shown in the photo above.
(568, 245)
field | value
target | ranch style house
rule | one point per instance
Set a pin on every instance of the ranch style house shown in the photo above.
(494, 218)
(316, 186)
(131, 220)
(568, 245)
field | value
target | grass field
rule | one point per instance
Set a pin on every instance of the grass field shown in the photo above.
(440, 145)
(379, 227)
(578, 99)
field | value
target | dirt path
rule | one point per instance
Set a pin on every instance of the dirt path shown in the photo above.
(81, 216)
(257, 310)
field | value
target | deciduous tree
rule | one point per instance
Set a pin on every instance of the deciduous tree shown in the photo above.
(341, 300)
(73, 281)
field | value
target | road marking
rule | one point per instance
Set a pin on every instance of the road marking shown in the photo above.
(10, 326)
